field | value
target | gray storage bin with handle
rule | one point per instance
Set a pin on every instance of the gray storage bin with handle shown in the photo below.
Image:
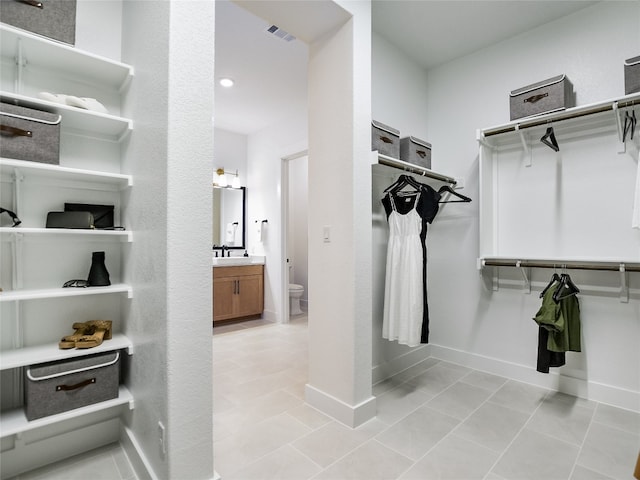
(57, 387)
(632, 75)
(55, 19)
(416, 151)
(29, 134)
(385, 139)
(547, 96)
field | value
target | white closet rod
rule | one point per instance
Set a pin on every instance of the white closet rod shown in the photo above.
(569, 264)
(409, 167)
(556, 117)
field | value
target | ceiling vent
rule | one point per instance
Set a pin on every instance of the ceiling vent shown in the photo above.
(280, 33)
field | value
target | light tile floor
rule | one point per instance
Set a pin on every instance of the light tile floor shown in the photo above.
(106, 463)
(437, 420)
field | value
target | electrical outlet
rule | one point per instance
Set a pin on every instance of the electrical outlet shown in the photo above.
(162, 432)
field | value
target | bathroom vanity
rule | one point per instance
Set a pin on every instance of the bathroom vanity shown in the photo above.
(238, 289)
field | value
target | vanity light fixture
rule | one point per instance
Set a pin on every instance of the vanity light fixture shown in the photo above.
(226, 82)
(222, 178)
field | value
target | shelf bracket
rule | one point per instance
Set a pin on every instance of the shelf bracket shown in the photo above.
(624, 284)
(526, 272)
(525, 146)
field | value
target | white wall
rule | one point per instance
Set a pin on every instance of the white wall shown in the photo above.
(169, 263)
(230, 153)
(494, 330)
(339, 187)
(265, 150)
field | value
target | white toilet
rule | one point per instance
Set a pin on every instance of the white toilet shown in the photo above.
(295, 293)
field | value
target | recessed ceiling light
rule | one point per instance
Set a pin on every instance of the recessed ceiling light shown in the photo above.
(226, 82)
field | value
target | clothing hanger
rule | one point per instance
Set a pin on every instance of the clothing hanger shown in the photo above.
(565, 289)
(549, 139)
(555, 278)
(447, 189)
(403, 181)
(630, 126)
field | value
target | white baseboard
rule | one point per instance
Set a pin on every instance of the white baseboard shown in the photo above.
(555, 380)
(136, 456)
(400, 363)
(350, 415)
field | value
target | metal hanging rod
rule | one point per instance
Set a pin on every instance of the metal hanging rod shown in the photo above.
(409, 167)
(569, 264)
(564, 115)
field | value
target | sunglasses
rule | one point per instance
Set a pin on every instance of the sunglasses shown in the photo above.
(14, 217)
(76, 283)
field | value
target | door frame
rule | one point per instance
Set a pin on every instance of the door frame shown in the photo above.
(284, 212)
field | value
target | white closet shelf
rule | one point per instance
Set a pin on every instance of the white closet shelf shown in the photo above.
(35, 294)
(22, 357)
(9, 165)
(605, 115)
(57, 56)
(76, 118)
(119, 234)
(417, 169)
(14, 421)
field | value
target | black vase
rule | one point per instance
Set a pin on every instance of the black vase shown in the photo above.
(98, 274)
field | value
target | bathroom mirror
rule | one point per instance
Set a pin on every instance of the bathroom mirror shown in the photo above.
(229, 217)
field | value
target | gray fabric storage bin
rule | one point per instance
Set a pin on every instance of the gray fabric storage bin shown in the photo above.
(28, 134)
(416, 151)
(385, 139)
(57, 387)
(546, 96)
(55, 19)
(632, 75)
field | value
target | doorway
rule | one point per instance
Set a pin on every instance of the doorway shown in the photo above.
(294, 233)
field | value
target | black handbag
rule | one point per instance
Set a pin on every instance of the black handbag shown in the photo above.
(70, 220)
(102, 214)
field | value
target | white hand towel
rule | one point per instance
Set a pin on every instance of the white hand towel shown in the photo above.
(230, 236)
(259, 232)
(635, 219)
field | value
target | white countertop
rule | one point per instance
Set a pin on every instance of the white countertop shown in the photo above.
(234, 261)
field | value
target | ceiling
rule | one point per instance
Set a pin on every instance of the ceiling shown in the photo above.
(271, 73)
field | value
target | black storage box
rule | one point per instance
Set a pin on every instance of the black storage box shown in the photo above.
(28, 134)
(55, 19)
(385, 139)
(416, 151)
(546, 96)
(632, 75)
(57, 387)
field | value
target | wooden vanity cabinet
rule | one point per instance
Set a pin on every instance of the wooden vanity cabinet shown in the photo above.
(238, 292)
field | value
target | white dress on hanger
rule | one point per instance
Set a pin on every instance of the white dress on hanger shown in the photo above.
(403, 292)
(635, 220)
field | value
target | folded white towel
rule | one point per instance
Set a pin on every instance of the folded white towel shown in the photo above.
(86, 103)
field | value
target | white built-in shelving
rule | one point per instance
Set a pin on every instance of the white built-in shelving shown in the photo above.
(30, 62)
(15, 422)
(567, 209)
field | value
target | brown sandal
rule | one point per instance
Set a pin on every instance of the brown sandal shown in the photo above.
(81, 329)
(101, 331)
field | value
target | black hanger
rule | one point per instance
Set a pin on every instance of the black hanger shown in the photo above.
(403, 181)
(550, 135)
(447, 189)
(565, 289)
(630, 126)
(555, 278)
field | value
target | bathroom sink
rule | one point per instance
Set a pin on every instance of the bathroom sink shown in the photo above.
(229, 261)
